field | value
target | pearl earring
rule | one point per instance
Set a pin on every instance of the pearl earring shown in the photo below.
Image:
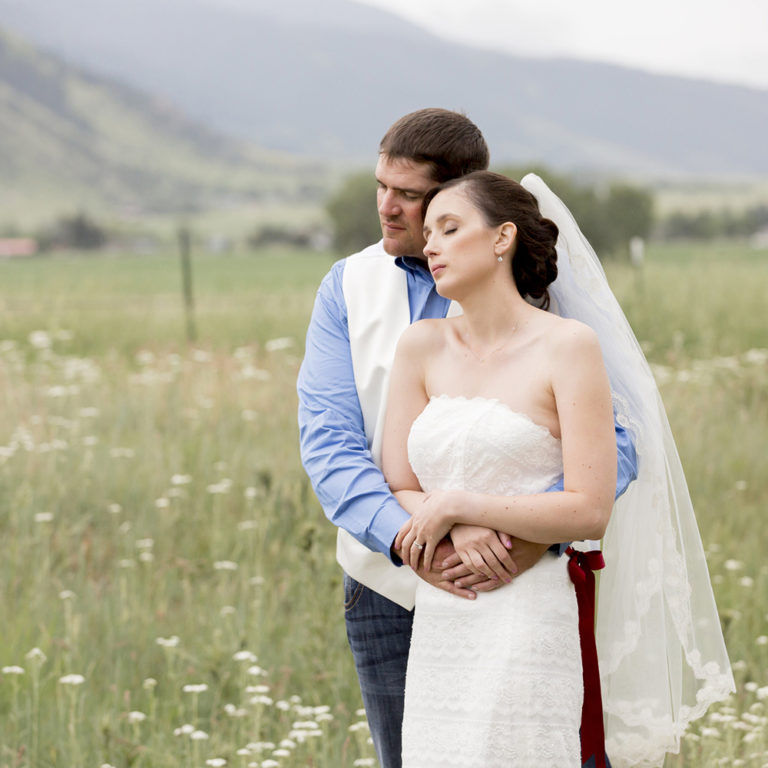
(501, 258)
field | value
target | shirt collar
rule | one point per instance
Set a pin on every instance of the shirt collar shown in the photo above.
(414, 265)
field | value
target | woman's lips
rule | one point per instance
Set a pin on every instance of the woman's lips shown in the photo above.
(437, 269)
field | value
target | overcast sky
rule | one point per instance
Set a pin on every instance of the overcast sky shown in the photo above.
(723, 40)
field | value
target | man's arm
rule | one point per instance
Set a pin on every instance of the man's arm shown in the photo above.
(334, 449)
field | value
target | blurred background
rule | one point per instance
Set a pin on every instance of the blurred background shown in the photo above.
(176, 177)
(117, 118)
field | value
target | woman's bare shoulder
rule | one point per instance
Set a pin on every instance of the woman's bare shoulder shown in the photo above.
(571, 341)
(423, 336)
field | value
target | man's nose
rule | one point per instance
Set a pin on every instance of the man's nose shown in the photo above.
(388, 204)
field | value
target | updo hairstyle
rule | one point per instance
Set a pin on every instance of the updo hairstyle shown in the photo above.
(500, 199)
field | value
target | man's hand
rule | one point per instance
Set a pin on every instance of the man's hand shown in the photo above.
(445, 551)
(523, 555)
(484, 552)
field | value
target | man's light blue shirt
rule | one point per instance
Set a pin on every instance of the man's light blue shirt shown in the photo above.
(334, 449)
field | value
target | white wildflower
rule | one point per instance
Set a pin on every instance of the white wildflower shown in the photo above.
(36, 655)
(245, 656)
(168, 642)
(162, 503)
(198, 735)
(136, 717)
(114, 509)
(225, 565)
(72, 679)
(40, 340)
(216, 762)
(13, 670)
(181, 479)
(195, 688)
(184, 730)
(223, 486)
(43, 517)
(67, 594)
(733, 565)
(149, 683)
(145, 543)
(284, 342)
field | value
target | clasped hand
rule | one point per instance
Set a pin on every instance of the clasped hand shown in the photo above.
(430, 521)
(481, 551)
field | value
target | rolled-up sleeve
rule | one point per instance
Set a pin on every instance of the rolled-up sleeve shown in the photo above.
(334, 448)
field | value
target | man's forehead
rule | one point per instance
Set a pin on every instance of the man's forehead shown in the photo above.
(405, 173)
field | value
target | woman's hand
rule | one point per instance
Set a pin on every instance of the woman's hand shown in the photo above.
(430, 522)
(483, 552)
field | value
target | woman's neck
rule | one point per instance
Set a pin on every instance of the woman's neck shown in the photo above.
(491, 317)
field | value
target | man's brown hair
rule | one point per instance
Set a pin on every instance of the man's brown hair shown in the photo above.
(449, 142)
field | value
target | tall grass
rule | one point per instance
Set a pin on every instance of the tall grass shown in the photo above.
(164, 551)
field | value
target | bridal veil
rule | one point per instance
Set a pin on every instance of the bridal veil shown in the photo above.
(661, 650)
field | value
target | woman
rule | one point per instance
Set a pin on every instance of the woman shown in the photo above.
(486, 411)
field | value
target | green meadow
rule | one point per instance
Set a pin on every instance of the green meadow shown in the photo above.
(170, 594)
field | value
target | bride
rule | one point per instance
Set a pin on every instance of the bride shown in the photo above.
(486, 411)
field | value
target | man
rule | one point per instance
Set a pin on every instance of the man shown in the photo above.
(362, 306)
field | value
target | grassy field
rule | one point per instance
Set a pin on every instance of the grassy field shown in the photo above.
(170, 592)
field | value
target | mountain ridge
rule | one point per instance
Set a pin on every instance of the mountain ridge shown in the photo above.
(325, 81)
(70, 134)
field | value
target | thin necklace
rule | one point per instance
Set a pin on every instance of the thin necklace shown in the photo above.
(494, 350)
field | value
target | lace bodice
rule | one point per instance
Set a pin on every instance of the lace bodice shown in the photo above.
(480, 444)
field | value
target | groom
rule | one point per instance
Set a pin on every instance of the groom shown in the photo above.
(362, 306)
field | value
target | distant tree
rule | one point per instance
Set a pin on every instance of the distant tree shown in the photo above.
(76, 231)
(608, 217)
(710, 224)
(353, 213)
(627, 213)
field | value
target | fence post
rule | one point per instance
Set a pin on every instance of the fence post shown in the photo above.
(186, 277)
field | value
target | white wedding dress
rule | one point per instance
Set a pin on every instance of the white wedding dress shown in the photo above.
(497, 681)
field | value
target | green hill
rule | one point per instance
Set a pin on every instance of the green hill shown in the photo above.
(68, 138)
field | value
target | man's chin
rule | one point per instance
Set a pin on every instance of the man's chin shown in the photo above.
(394, 247)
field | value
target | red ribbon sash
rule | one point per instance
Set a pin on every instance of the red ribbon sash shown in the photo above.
(581, 567)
